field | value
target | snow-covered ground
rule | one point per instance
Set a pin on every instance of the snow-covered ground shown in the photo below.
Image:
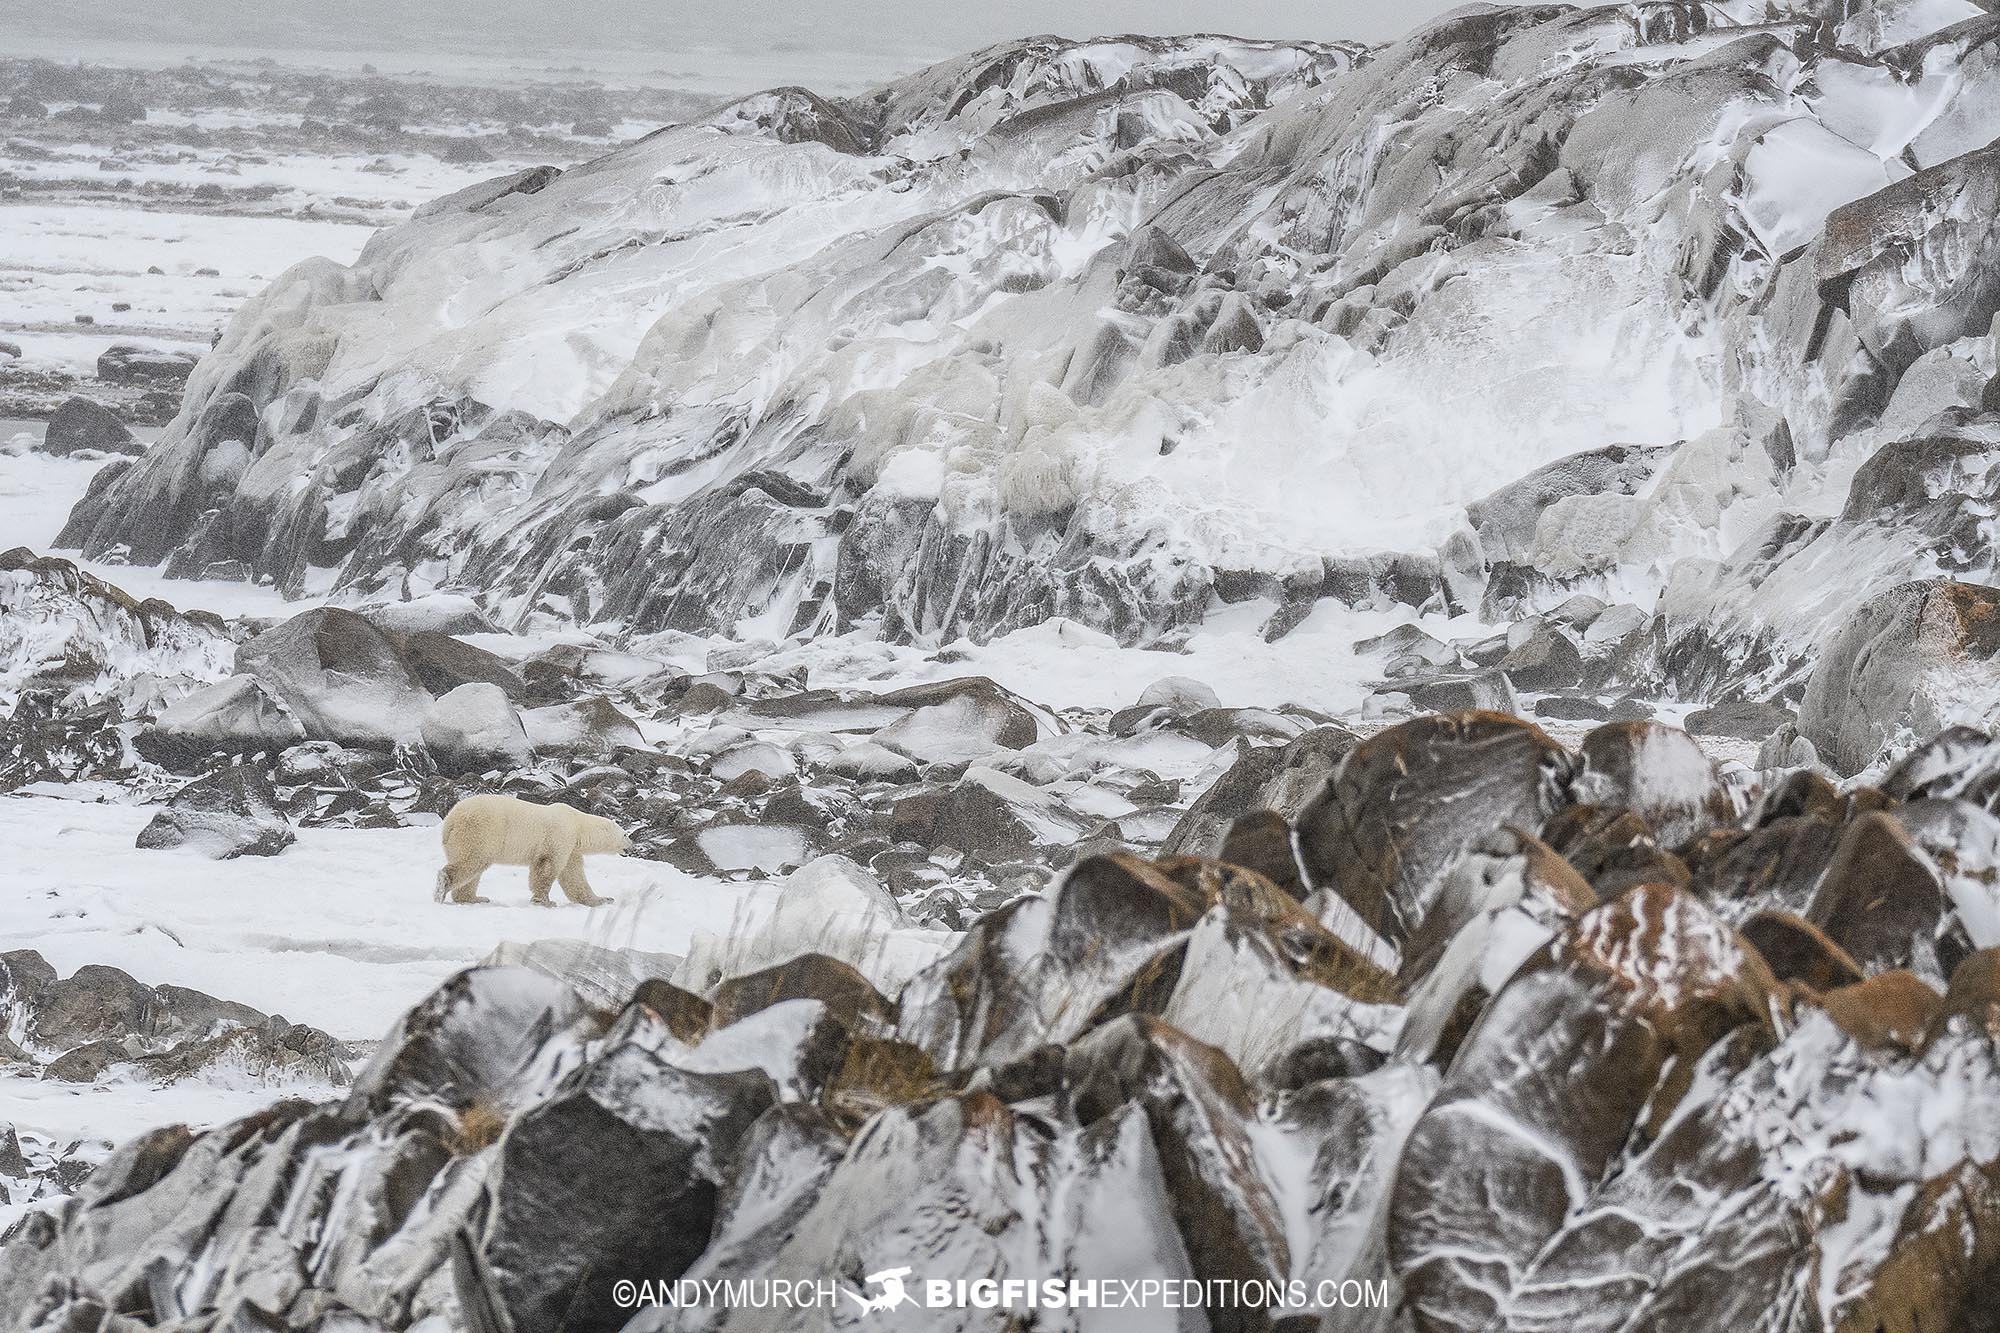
(341, 933)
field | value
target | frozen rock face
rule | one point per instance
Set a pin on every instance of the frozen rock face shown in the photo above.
(1109, 329)
(66, 631)
(1754, 1088)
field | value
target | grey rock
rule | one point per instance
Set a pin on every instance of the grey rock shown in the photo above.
(126, 364)
(233, 812)
(1406, 804)
(342, 678)
(1505, 520)
(81, 425)
(1900, 668)
(1278, 778)
(1741, 719)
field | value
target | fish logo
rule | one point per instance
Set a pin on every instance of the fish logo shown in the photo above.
(894, 1295)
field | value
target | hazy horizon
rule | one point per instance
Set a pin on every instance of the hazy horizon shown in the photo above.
(881, 32)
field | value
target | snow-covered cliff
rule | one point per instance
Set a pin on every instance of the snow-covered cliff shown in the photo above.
(1109, 330)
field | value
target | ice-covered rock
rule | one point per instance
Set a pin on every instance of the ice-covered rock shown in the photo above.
(64, 629)
(1909, 663)
(237, 714)
(232, 812)
(958, 722)
(473, 728)
(342, 678)
(1656, 772)
(1407, 803)
(1614, 1018)
(1182, 694)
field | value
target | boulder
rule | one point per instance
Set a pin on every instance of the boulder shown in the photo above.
(958, 722)
(81, 425)
(433, 613)
(237, 715)
(442, 663)
(1936, 223)
(1740, 719)
(469, 1047)
(1656, 772)
(830, 906)
(588, 728)
(1408, 802)
(761, 757)
(230, 813)
(1614, 1016)
(1506, 519)
(1461, 692)
(1908, 663)
(1545, 658)
(1179, 694)
(848, 996)
(342, 678)
(473, 729)
(617, 1173)
(987, 813)
(145, 367)
(1277, 778)
(988, 1000)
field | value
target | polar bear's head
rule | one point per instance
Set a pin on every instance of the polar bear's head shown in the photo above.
(601, 835)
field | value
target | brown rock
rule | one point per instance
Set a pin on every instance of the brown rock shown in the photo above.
(1889, 1011)
(1408, 801)
(1797, 950)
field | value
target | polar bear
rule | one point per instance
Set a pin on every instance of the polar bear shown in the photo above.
(551, 840)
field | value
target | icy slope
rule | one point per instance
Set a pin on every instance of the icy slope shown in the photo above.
(1109, 330)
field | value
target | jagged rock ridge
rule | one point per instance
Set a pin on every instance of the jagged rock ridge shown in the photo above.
(1108, 330)
(1728, 1059)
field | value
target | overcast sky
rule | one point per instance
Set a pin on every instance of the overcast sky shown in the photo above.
(532, 26)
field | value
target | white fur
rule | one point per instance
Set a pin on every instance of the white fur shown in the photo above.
(551, 840)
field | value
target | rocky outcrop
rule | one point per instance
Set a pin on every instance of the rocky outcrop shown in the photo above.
(102, 1022)
(1738, 292)
(1554, 1104)
(63, 628)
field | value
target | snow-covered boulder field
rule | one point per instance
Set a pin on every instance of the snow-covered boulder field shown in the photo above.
(1525, 1034)
(1686, 307)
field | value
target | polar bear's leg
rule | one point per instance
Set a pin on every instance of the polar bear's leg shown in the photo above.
(458, 881)
(575, 886)
(541, 873)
